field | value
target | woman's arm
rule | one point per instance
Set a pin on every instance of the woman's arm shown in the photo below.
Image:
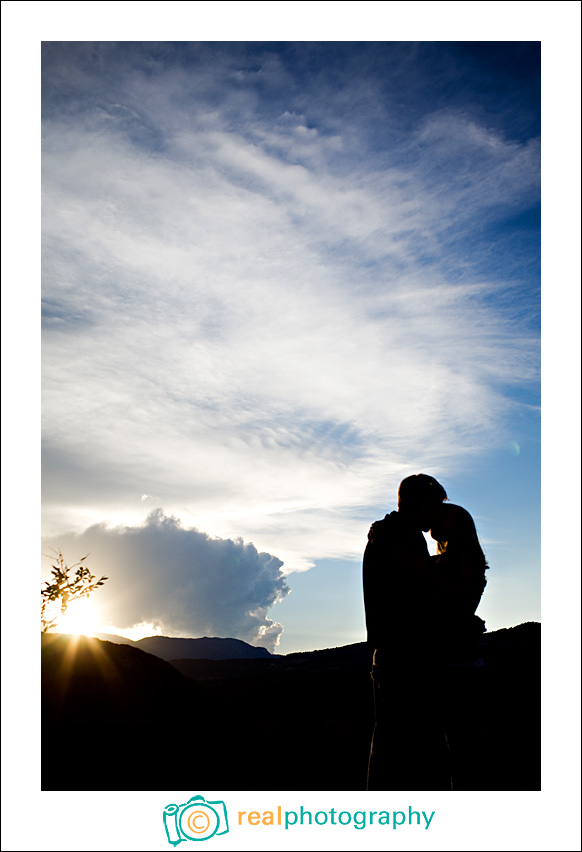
(455, 592)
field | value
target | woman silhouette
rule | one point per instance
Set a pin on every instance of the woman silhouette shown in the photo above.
(459, 581)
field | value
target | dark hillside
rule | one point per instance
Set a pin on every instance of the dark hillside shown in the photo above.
(118, 718)
(114, 717)
(321, 717)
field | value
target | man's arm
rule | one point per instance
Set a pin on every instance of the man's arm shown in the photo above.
(372, 594)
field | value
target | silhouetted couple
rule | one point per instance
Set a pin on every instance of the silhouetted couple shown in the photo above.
(421, 622)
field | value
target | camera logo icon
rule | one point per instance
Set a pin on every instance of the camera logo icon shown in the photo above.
(197, 819)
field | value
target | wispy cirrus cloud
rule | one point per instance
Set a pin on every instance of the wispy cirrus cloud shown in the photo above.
(252, 320)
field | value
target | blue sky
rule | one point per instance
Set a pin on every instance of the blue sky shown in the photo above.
(278, 278)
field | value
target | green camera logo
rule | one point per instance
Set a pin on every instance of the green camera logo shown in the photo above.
(197, 819)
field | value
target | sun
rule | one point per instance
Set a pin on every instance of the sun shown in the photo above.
(81, 617)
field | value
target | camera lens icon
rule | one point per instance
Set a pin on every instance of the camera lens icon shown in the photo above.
(197, 819)
(199, 822)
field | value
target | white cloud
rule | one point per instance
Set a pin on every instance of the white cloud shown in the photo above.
(180, 580)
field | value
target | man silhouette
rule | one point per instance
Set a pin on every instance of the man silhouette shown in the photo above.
(409, 749)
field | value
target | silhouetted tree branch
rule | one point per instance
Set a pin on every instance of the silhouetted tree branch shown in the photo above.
(65, 588)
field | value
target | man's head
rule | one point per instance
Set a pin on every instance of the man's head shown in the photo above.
(420, 499)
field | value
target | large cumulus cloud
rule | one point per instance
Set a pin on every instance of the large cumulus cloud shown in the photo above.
(181, 580)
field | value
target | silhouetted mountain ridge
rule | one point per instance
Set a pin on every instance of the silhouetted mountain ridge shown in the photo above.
(503, 647)
(204, 648)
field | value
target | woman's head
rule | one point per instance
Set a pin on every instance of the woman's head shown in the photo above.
(454, 531)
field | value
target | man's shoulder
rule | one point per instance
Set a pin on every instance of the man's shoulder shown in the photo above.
(388, 526)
